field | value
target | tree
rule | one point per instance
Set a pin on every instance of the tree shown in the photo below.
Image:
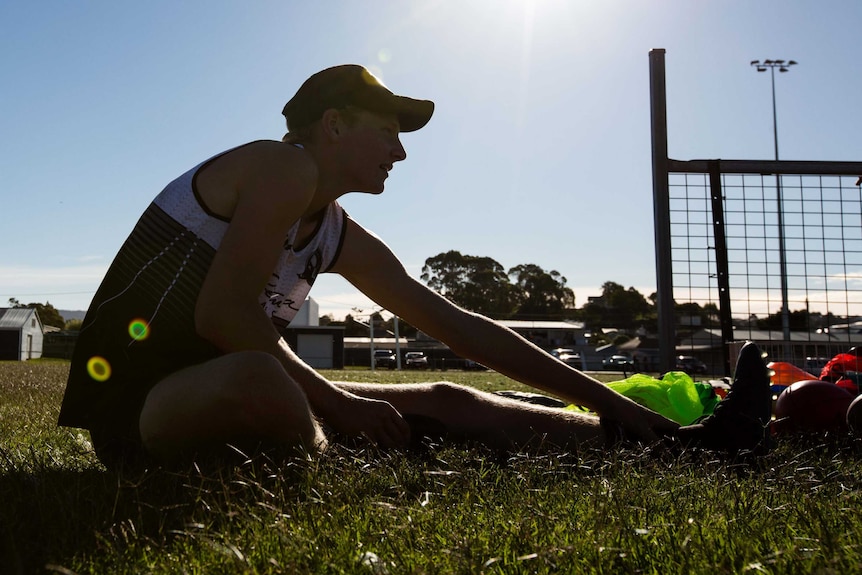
(325, 320)
(353, 328)
(479, 284)
(47, 313)
(619, 307)
(798, 321)
(404, 328)
(541, 294)
(712, 314)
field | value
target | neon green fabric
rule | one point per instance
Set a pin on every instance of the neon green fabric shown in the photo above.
(676, 395)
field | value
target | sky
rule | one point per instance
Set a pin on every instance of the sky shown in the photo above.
(539, 150)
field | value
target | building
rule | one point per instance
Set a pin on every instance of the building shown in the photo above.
(321, 347)
(550, 334)
(21, 334)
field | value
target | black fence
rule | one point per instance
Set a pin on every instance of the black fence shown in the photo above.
(769, 251)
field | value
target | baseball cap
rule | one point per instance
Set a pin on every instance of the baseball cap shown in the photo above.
(352, 85)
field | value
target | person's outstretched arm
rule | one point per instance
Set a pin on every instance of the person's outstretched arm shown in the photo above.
(371, 266)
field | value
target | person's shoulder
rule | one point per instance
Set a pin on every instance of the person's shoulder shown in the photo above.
(269, 159)
(275, 151)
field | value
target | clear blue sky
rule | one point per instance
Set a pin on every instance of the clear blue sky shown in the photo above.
(539, 150)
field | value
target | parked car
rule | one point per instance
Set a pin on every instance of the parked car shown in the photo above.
(690, 364)
(415, 360)
(618, 362)
(568, 356)
(385, 358)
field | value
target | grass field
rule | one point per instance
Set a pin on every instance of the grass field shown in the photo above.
(450, 510)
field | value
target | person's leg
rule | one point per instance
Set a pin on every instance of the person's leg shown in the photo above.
(242, 399)
(496, 421)
(739, 424)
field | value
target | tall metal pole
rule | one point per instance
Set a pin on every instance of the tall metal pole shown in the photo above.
(371, 333)
(774, 113)
(661, 211)
(782, 66)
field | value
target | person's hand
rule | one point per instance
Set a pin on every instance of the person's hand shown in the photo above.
(640, 423)
(377, 420)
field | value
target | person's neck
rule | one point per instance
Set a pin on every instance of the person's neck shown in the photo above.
(329, 186)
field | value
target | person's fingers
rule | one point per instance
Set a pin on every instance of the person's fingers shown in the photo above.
(389, 428)
(394, 427)
(403, 427)
(397, 430)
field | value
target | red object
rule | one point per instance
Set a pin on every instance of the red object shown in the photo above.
(812, 405)
(849, 385)
(854, 416)
(841, 364)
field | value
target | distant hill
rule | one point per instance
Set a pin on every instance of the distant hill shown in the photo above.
(72, 314)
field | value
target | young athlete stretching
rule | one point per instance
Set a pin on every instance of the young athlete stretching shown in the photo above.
(180, 350)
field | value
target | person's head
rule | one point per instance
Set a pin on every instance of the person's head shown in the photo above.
(349, 88)
(351, 123)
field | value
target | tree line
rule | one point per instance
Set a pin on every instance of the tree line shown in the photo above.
(525, 292)
(47, 313)
(528, 292)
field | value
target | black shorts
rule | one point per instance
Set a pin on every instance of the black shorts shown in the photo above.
(116, 437)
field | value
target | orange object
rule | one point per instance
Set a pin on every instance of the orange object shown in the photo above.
(787, 373)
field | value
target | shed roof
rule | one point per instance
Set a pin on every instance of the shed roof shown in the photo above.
(742, 334)
(15, 318)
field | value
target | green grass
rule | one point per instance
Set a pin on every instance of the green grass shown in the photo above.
(450, 510)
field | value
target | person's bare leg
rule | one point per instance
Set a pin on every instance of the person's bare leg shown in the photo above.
(493, 420)
(240, 399)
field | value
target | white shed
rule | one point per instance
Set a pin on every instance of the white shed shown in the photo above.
(21, 334)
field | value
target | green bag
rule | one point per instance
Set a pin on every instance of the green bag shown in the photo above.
(676, 395)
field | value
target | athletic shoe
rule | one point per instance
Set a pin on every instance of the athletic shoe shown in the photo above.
(740, 421)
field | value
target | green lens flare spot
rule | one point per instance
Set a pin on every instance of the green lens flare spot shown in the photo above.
(99, 368)
(139, 330)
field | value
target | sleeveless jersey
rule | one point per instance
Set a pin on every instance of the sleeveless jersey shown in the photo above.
(140, 325)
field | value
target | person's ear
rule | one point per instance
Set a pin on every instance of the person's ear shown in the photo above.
(332, 123)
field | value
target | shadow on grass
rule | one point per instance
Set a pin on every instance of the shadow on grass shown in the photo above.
(72, 513)
(52, 517)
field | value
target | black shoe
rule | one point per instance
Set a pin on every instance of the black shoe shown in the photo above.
(740, 421)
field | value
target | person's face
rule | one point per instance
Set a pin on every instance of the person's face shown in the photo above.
(371, 146)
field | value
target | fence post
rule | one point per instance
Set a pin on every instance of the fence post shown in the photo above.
(661, 212)
(721, 263)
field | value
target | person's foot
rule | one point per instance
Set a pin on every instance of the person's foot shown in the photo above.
(740, 421)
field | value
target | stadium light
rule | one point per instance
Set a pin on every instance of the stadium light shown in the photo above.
(783, 66)
(771, 65)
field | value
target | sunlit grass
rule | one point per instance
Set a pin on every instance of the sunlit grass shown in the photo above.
(449, 509)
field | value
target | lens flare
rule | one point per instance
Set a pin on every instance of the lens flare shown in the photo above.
(99, 368)
(139, 329)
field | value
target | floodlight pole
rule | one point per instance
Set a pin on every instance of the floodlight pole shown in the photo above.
(783, 66)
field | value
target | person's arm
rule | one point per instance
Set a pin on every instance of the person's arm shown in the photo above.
(274, 186)
(371, 266)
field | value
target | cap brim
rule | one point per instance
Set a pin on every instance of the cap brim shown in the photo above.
(412, 114)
